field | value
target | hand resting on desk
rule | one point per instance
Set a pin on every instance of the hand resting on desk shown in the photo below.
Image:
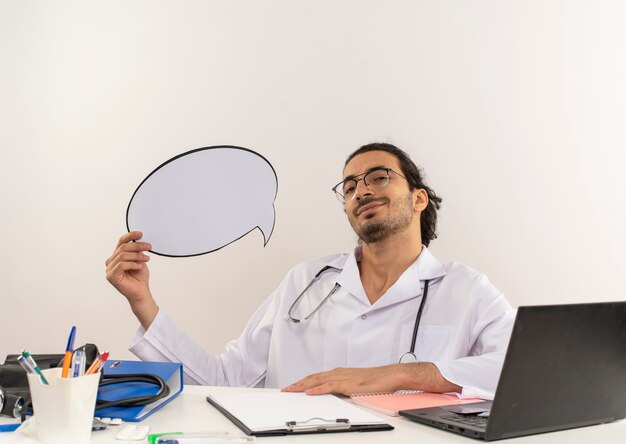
(389, 378)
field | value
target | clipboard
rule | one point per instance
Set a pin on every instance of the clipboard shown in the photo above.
(170, 372)
(269, 413)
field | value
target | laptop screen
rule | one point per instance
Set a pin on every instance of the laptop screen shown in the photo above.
(565, 367)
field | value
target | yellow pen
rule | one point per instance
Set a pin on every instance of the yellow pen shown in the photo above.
(67, 361)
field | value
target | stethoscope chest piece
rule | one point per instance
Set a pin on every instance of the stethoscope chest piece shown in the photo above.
(408, 358)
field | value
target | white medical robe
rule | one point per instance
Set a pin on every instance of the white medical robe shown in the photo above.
(464, 329)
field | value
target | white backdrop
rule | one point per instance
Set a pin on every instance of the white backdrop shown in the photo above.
(515, 109)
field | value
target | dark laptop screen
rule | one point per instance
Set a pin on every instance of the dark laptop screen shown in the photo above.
(565, 367)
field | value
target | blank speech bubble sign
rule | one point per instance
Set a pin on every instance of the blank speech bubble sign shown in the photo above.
(203, 200)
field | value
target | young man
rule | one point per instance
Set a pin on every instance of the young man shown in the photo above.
(342, 324)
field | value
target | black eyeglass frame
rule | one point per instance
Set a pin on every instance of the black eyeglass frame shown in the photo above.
(342, 198)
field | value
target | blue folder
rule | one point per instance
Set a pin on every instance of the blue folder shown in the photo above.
(170, 372)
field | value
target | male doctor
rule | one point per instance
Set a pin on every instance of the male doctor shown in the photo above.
(385, 317)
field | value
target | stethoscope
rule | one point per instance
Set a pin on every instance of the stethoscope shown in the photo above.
(407, 357)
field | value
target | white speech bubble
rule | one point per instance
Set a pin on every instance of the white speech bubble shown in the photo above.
(203, 200)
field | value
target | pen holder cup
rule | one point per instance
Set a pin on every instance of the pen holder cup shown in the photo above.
(64, 409)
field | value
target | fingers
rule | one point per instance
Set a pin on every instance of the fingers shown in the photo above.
(127, 256)
(295, 387)
(119, 269)
(315, 386)
(129, 237)
(125, 245)
(302, 385)
(346, 381)
(128, 253)
(328, 388)
(315, 380)
(322, 388)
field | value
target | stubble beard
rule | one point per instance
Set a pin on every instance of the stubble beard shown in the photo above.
(375, 230)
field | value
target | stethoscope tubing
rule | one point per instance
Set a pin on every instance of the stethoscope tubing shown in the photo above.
(418, 318)
(319, 274)
(314, 280)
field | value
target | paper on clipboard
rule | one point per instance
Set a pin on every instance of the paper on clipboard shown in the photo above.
(262, 412)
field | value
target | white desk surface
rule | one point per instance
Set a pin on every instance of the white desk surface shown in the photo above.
(190, 412)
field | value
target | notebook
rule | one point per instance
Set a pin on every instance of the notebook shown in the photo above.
(565, 367)
(267, 413)
(391, 403)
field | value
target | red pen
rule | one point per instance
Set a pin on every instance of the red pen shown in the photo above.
(98, 363)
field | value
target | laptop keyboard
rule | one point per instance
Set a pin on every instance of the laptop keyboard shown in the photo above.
(476, 421)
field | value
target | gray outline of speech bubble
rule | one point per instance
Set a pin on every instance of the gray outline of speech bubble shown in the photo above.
(265, 239)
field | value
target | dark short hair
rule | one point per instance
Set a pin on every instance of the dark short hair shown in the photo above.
(428, 219)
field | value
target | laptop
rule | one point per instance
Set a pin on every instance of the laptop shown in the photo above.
(565, 367)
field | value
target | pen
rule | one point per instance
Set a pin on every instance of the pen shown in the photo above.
(33, 364)
(98, 363)
(67, 361)
(25, 364)
(199, 438)
(104, 357)
(78, 363)
(95, 365)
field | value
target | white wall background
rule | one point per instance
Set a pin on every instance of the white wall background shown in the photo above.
(515, 109)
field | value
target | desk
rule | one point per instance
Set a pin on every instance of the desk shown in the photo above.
(190, 412)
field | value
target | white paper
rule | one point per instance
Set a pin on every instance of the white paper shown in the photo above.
(270, 411)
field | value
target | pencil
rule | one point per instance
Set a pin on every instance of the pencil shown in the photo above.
(97, 363)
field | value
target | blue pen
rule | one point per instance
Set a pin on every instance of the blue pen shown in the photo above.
(79, 360)
(33, 364)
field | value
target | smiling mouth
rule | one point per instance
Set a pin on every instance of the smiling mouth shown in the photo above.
(368, 207)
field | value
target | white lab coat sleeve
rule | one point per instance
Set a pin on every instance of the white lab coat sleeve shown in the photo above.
(490, 326)
(243, 364)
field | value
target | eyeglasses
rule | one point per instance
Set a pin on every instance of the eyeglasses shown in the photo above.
(375, 180)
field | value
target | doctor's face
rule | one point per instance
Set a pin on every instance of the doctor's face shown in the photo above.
(378, 212)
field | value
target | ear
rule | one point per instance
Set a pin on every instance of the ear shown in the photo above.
(420, 200)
